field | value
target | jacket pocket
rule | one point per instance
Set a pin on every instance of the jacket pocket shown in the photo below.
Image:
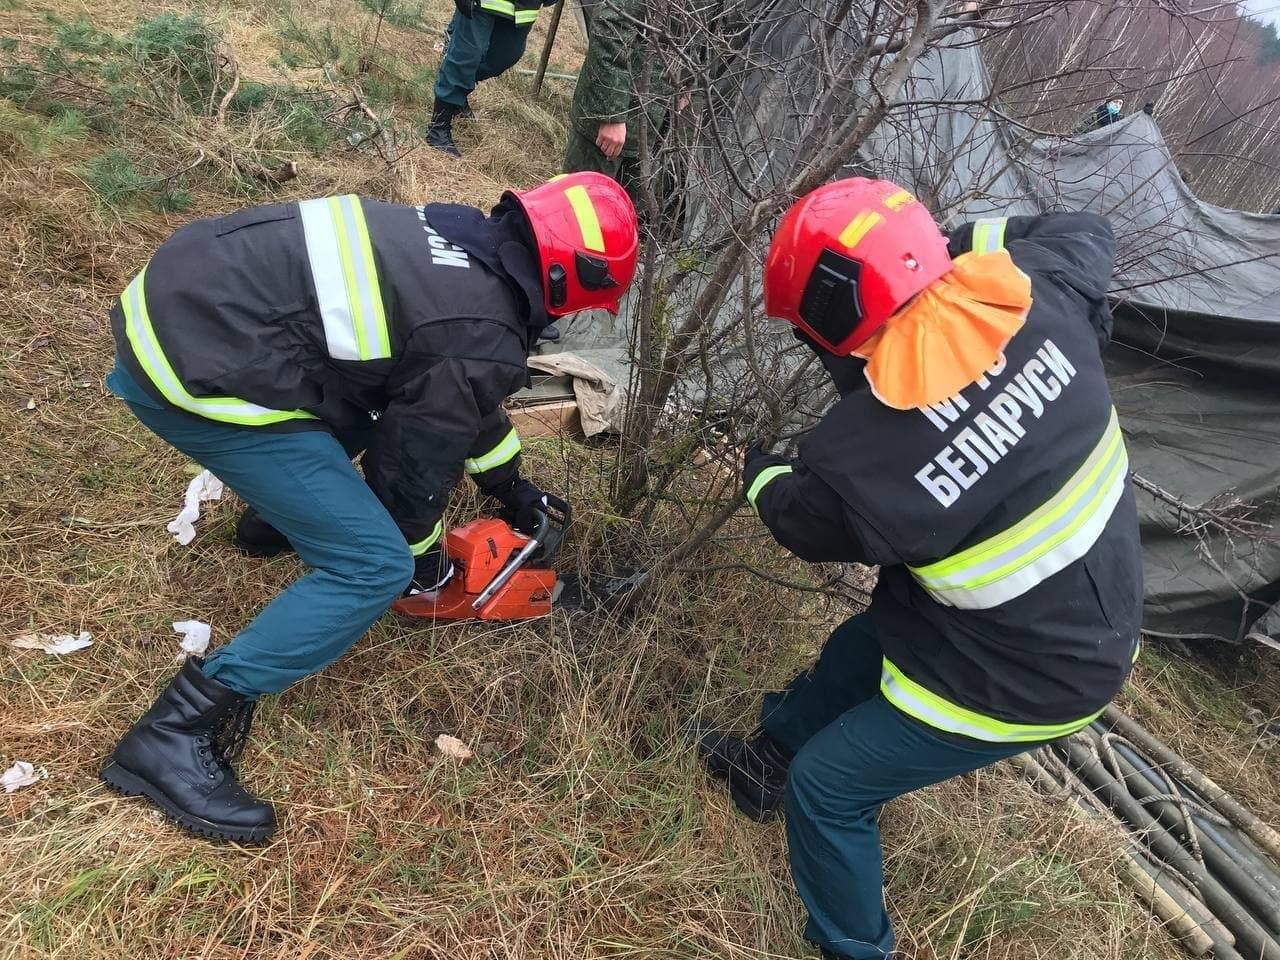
(270, 213)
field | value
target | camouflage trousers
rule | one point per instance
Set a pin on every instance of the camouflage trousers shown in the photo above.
(581, 154)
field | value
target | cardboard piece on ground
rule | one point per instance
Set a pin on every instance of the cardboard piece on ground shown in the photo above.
(546, 419)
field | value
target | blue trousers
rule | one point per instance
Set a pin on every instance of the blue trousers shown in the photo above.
(481, 47)
(853, 752)
(305, 485)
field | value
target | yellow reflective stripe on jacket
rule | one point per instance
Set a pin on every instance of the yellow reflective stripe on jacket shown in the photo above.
(763, 478)
(506, 450)
(507, 8)
(988, 234)
(150, 356)
(345, 275)
(1056, 534)
(429, 541)
(938, 712)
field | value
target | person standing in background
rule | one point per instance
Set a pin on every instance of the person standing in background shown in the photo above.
(486, 39)
(604, 120)
(1103, 115)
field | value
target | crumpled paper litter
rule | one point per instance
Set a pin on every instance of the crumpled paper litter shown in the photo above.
(453, 747)
(203, 487)
(195, 637)
(21, 774)
(56, 644)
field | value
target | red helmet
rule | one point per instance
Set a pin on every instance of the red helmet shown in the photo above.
(587, 236)
(847, 256)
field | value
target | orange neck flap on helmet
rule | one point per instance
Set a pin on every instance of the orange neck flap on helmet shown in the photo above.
(950, 334)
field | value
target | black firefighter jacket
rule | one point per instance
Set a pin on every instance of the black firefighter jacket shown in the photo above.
(327, 313)
(1009, 598)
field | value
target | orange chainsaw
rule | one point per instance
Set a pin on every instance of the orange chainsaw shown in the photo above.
(500, 574)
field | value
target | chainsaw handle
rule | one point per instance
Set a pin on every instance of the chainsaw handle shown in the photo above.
(540, 548)
(552, 524)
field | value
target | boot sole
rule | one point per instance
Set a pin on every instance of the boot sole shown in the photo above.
(131, 785)
(253, 550)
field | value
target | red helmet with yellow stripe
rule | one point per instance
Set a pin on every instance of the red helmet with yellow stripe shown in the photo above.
(849, 255)
(587, 236)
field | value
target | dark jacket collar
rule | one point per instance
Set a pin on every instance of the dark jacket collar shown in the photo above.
(504, 243)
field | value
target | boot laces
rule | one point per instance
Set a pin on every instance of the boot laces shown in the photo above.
(231, 732)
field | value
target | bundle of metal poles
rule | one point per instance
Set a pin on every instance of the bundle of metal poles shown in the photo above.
(1205, 865)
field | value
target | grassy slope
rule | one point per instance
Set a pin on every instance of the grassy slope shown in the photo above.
(584, 828)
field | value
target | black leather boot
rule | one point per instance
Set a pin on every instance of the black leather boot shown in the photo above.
(439, 133)
(179, 757)
(258, 538)
(755, 770)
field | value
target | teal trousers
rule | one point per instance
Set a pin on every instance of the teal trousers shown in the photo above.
(481, 47)
(305, 485)
(854, 751)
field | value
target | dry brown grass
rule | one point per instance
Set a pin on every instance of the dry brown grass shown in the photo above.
(584, 828)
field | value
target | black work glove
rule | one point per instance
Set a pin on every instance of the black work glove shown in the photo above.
(431, 571)
(524, 504)
(757, 461)
(465, 7)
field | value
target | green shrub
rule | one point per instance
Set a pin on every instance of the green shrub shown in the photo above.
(68, 124)
(252, 97)
(183, 47)
(173, 201)
(307, 125)
(34, 135)
(113, 177)
(82, 37)
(407, 16)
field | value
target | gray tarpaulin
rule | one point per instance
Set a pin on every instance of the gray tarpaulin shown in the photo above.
(1195, 366)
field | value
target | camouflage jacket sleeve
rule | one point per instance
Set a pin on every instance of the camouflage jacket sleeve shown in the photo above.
(605, 89)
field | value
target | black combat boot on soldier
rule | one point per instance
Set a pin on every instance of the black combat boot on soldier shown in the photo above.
(755, 770)
(179, 757)
(258, 538)
(439, 132)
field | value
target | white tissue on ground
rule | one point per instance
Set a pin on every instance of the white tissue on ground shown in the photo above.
(56, 644)
(195, 637)
(21, 774)
(203, 487)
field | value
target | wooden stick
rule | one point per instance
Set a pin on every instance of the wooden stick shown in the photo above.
(552, 29)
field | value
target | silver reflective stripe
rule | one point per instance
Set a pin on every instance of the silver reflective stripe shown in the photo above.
(1048, 540)
(345, 278)
(988, 234)
(326, 274)
(150, 356)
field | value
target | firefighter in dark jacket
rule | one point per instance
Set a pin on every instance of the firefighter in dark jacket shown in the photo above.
(974, 456)
(275, 344)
